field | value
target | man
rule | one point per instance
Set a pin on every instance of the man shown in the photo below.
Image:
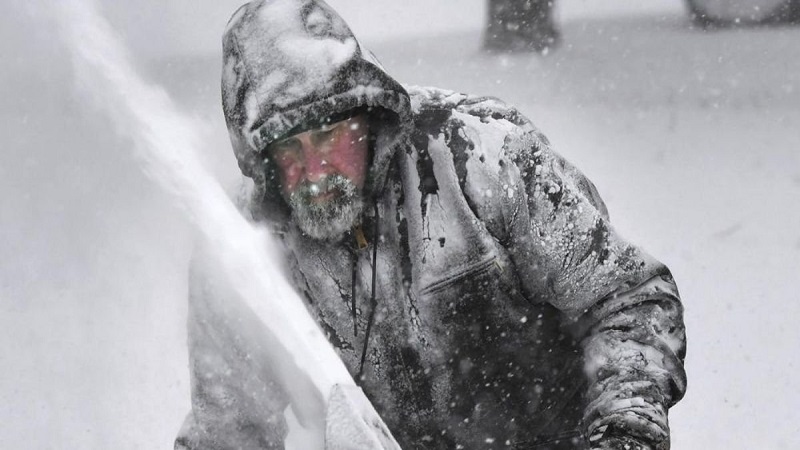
(466, 273)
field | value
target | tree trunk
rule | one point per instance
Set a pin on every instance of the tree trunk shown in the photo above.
(520, 25)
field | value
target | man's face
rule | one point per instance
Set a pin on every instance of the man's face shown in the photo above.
(322, 173)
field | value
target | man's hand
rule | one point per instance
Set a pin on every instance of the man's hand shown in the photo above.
(614, 438)
(620, 443)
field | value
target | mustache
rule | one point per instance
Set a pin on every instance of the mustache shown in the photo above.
(331, 218)
(324, 185)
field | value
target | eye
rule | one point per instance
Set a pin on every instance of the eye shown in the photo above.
(284, 151)
(325, 134)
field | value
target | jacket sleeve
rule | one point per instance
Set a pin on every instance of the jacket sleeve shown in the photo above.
(620, 303)
(233, 405)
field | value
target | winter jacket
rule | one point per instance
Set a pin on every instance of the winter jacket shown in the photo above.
(503, 309)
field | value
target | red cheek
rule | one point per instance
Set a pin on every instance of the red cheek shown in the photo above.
(290, 176)
(348, 156)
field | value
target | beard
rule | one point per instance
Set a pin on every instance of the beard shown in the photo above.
(330, 218)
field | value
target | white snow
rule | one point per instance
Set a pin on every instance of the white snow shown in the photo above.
(691, 138)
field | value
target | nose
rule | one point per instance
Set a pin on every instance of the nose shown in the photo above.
(315, 166)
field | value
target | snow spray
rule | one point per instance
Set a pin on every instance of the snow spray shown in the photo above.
(263, 306)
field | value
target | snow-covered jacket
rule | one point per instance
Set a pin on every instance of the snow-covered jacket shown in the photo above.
(493, 305)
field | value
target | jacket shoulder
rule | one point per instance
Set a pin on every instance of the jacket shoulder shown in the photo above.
(472, 136)
(502, 160)
(485, 124)
(425, 100)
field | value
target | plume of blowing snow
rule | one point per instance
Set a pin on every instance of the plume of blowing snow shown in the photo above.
(263, 308)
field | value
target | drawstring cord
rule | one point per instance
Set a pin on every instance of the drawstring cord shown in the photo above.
(353, 296)
(361, 241)
(373, 298)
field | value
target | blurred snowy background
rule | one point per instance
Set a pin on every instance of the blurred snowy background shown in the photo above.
(692, 137)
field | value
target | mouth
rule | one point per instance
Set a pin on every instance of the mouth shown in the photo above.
(323, 197)
(317, 197)
(323, 194)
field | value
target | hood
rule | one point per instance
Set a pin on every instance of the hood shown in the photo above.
(288, 64)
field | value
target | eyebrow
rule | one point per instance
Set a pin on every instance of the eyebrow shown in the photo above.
(281, 141)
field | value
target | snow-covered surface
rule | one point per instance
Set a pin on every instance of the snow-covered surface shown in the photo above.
(691, 137)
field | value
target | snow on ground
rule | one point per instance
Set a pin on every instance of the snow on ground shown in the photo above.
(691, 137)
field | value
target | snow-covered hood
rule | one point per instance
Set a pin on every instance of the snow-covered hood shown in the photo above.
(290, 63)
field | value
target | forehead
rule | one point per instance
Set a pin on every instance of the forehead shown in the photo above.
(355, 122)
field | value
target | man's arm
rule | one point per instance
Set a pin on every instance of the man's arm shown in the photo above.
(633, 350)
(619, 301)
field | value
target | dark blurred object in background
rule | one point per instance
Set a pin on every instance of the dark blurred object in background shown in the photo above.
(520, 26)
(726, 13)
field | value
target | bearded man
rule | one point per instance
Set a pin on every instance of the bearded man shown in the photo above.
(466, 273)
